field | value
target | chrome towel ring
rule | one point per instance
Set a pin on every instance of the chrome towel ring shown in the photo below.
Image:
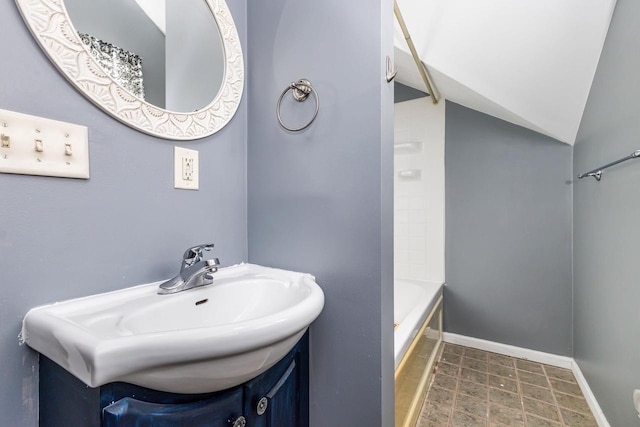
(300, 90)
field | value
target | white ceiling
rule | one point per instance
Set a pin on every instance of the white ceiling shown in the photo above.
(528, 62)
(155, 9)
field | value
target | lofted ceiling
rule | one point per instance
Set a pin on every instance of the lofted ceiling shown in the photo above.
(528, 62)
(156, 10)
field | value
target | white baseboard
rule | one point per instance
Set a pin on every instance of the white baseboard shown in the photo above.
(588, 394)
(510, 350)
(535, 356)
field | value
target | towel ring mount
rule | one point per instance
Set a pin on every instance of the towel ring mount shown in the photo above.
(300, 91)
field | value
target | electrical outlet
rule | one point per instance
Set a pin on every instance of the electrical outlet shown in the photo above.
(185, 169)
(636, 401)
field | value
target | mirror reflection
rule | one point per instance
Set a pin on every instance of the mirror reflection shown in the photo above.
(167, 52)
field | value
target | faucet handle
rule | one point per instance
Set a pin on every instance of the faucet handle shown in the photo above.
(194, 254)
(196, 251)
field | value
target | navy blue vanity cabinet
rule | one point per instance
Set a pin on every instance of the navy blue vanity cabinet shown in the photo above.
(277, 398)
(280, 396)
(219, 411)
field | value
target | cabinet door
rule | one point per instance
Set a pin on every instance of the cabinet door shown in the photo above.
(280, 397)
(219, 411)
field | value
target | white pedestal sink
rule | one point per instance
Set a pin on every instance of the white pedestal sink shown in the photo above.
(201, 340)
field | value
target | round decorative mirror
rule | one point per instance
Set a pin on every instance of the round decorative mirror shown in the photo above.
(169, 68)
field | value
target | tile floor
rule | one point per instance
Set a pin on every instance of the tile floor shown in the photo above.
(476, 388)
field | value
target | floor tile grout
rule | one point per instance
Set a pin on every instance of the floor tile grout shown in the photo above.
(509, 412)
(488, 394)
(553, 395)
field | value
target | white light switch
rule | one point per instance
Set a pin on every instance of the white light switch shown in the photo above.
(636, 401)
(185, 169)
(31, 145)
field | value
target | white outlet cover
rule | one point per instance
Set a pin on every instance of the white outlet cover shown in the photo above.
(186, 180)
(636, 401)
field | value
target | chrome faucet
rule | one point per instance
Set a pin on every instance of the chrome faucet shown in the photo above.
(194, 271)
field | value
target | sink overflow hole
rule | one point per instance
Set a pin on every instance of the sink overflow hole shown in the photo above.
(202, 301)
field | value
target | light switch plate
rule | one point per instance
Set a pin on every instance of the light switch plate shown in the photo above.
(31, 145)
(186, 169)
(636, 401)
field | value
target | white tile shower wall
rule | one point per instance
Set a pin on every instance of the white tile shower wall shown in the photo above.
(419, 197)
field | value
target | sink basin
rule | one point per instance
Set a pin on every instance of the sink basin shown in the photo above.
(201, 340)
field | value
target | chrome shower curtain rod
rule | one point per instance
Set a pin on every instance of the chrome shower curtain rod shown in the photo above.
(597, 172)
(435, 97)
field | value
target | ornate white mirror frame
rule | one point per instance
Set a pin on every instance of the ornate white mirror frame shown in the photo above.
(51, 26)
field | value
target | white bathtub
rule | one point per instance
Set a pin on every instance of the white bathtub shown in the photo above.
(413, 301)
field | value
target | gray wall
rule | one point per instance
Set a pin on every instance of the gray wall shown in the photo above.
(124, 24)
(606, 232)
(64, 238)
(406, 93)
(508, 233)
(321, 200)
